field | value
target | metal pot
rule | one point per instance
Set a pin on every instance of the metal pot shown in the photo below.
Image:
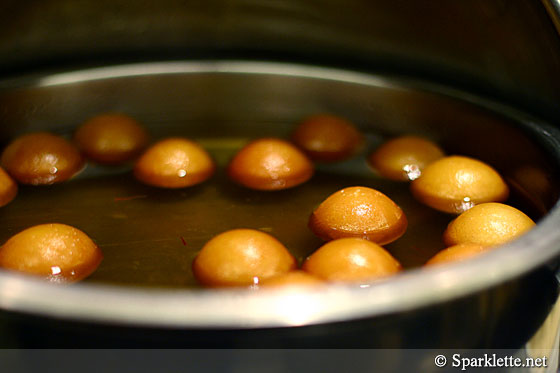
(471, 304)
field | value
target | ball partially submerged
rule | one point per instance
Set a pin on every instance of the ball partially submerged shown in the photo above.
(487, 224)
(358, 212)
(454, 184)
(351, 260)
(41, 158)
(241, 257)
(8, 188)
(56, 252)
(404, 158)
(327, 138)
(111, 138)
(270, 164)
(174, 163)
(292, 279)
(456, 253)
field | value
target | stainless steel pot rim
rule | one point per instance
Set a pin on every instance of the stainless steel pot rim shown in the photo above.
(262, 309)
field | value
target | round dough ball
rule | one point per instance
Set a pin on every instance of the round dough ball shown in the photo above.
(241, 257)
(404, 158)
(358, 212)
(456, 253)
(487, 224)
(174, 163)
(111, 138)
(327, 138)
(8, 188)
(270, 164)
(41, 158)
(351, 260)
(454, 184)
(292, 279)
(57, 252)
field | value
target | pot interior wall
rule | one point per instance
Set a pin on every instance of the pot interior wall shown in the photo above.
(507, 49)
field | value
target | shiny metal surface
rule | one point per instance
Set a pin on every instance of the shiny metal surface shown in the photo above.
(553, 9)
(285, 92)
(504, 48)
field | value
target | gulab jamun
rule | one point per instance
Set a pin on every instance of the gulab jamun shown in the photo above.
(327, 138)
(8, 188)
(56, 252)
(241, 257)
(292, 279)
(41, 158)
(358, 212)
(404, 158)
(456, 253)
(111, 138)
(487, 224)
(351, 260)
(270, 164)
(174, 163)
(454, 184)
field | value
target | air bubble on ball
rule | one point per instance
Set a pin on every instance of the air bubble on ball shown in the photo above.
(255, 284)
(467, 204)
(412, 171)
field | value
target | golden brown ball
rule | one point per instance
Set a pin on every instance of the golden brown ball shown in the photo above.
(241, 257)
(174, 163)
(111, 138)
(487, 224)
(57, 252)
(359, 212)
(8, 188)
(454, 184)
(404, 158)
(351, 260)
(270, 164)
(327, 138)
(292, 279)
(456, 253)
(41, 158)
